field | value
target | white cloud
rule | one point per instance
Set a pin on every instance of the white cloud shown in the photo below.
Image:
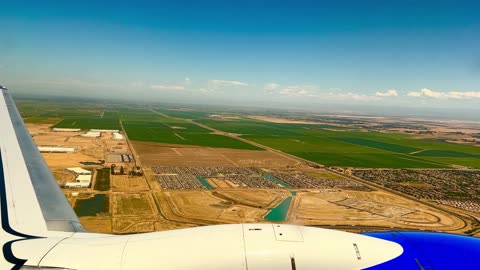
(354, 96)
(227, 83)
(271, 86)
(167, 87)
(298, 91)
(445, 95)
(464, 95)
(314, 92)
(389, 93)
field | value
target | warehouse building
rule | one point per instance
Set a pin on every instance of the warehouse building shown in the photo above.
(117, 136)
(105, 130)
(79, 171)
(91, 134)
(83, 180)
(55, 149)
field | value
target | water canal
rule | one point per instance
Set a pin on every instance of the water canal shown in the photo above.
(279, 213)
(204, 182)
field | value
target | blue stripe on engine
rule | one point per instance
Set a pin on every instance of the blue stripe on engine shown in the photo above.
(427, 250)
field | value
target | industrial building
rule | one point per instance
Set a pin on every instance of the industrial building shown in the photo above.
(83, 180)
(56, 149)
(91, 134)
(79, 171)
(117, 136)
(105, 130)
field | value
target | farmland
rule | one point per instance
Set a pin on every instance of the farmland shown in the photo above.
(352, 148)
(179, 133)
(333, 142)
(102, 180)
(196, 167)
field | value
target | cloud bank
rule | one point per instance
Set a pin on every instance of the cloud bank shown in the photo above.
(389, 93)
(444, 95)
(227, 83)
(167, 87)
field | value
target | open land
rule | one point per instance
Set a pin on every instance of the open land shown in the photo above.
(182, 167)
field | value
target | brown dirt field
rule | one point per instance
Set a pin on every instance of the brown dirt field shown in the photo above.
(157, 154)
(258, 198)
(37, 128)
(128, 183)
(367, 209)
(97, 224)
(133, 224)
(165, 225)
(65, 160)
(217, 183)
(201, 207)
(63, 176)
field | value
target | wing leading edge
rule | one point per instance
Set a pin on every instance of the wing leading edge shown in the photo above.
(34, 201)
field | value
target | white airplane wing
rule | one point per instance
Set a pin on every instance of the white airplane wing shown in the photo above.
(30, 199)
(39, 229)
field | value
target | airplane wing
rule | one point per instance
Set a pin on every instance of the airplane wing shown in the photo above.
(39, 230)
(32, 201)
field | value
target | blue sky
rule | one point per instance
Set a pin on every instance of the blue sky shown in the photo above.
(289, 53)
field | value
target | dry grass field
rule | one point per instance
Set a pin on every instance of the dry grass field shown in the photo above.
(203, 207)
(132, 204)
(157, 154)
(128, 183)
(376, 208)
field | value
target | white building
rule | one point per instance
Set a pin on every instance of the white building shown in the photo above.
(79, 171)
(91, 134)
(55, 149)
(117, 136)
(82, 181)
(105, 130)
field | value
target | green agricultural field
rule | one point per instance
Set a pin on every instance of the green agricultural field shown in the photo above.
(186, 114)
(180, 133)
(89, 123)
(325, 144)
(351, 148)
(446, 153)
(379, 145)
(102, 180)
(251, 127)
(41, 120)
